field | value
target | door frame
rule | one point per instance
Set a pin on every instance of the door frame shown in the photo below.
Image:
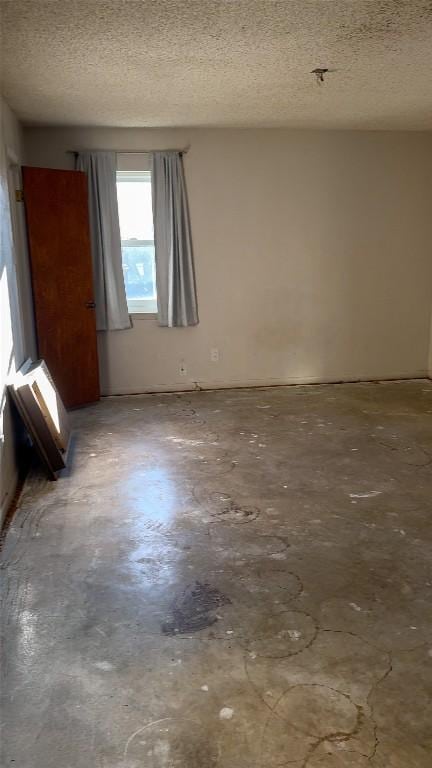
(27, 331)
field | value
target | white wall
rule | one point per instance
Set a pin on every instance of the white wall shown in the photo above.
(313, 257)
(13, 342)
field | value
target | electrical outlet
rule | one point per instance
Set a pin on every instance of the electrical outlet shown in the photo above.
(214, 355)
(182, 369)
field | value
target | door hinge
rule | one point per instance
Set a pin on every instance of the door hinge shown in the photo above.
(19, 195)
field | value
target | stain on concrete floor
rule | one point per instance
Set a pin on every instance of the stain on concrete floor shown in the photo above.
(194, 609)
(286, 533)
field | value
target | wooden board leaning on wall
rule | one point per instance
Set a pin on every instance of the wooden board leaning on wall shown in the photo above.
(43, 414)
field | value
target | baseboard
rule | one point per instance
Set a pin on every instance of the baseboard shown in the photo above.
(8, 499)
(12, 496)
(268, 382)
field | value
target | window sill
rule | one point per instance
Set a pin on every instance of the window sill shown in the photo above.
(142, 315)
(142, 306)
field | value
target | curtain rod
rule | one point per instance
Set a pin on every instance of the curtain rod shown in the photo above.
(128, 151)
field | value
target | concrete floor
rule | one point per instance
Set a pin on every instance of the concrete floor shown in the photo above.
(232, 579)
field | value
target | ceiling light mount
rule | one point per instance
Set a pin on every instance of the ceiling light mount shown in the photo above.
(319, 73)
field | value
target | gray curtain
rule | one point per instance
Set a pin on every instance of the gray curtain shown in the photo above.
(110, 295)
(175, 275)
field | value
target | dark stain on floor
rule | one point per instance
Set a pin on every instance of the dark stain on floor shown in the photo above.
(194, 609)
(235, 513)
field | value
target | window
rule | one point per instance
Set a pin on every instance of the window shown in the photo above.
(137, 240)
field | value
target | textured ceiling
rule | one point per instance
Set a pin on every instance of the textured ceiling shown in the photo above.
(219, 62)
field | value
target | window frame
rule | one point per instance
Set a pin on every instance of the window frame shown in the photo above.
(144, 306)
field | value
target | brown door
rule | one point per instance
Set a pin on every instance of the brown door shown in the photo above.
(59, 244)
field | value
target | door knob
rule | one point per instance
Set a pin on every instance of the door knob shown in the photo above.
(90, 304)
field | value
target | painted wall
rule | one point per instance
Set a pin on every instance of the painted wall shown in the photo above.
(313, 257)
(13, 342)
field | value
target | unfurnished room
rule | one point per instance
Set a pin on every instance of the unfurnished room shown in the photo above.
(216, 383)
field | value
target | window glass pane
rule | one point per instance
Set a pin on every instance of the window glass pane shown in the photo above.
(136, 231)
(139, 271)
(135, 209)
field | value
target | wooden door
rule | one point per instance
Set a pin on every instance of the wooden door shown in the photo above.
(59, 243)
